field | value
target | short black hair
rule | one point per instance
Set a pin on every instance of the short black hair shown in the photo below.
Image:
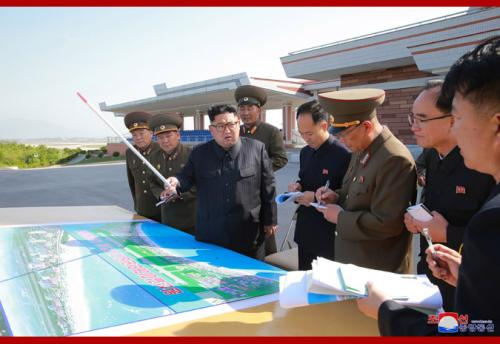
(318, 114)
(219, 109)
(476, 76)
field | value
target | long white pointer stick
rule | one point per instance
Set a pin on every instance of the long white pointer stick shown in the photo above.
(129, 145)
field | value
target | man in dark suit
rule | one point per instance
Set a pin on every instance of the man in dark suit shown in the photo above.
(250, 100)
(379, 185)
(235, 185)
(472, 86)
(142, 136)
(453, 192)
(323, 159)
(179, 213)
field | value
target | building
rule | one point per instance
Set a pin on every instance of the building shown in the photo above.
(398, 60)
(191, 101)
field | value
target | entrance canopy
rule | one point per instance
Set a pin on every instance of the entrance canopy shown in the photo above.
(196, 98)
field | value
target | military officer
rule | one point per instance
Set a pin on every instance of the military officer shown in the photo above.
(142, 136)
(379, 185)
(250, 100)
(178, 213)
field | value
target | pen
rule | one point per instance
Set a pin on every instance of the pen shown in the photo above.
(327, 185)
(427, 236)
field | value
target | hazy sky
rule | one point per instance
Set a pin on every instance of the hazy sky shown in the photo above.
(118, 54)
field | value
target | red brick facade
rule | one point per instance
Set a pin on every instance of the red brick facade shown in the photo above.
(394, 112)
(382, 75)
(116, 147)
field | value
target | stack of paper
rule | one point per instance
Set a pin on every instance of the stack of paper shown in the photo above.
(331, 281)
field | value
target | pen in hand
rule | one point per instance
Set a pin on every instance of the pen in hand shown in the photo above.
(327, 185)
(439, 262)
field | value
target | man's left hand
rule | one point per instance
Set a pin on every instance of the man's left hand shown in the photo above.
(331, 212)
(270, 230)
(306, 198)
(369, 305)
(437, 227)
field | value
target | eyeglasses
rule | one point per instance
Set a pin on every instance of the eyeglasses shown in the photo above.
(347, 131)
(221, 127)
(417, 120)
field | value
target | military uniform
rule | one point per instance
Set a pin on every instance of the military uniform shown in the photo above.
(144, 200)
(457, 193)
(265, 133)
(272, 139)
(178, 213)
(379, 185)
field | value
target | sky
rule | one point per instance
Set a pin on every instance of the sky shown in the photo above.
(117, 54)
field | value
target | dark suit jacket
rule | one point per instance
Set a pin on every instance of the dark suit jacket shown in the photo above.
(236, 191)
(328, 162)
(457, 193)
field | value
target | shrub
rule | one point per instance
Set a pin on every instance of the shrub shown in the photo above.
(116, 154)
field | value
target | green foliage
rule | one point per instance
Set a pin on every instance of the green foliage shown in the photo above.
(116, 154)
(24, 156)
(88, 156)
(100, 155)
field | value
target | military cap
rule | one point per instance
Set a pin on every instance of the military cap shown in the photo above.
(351, 107)
(250, 95)
(137, 120)
(164, 122)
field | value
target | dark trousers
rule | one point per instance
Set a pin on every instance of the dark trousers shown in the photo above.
(270, 245)
(306, 258)
(259, 253)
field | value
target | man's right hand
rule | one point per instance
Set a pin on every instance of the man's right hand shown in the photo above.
(410, 224)
(170, 189)
(326, 196)
(293, 187)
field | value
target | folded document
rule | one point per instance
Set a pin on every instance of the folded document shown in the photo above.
(330, 281)
(288, 197)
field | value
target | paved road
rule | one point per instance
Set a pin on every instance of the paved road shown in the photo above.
(96, 185)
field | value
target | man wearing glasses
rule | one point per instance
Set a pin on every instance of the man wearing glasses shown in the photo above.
(235, 185)
(179, 213)
(453, 192)
(379, 185)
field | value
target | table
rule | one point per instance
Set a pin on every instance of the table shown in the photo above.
(332, 319)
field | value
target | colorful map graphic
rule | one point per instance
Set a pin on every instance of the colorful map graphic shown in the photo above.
(71, 279)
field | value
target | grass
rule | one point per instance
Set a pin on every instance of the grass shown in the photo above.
(95, 160)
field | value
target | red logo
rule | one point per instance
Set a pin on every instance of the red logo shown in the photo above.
(325, 171)
(460, 189)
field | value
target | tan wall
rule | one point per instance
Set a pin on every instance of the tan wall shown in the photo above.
(382, 75)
